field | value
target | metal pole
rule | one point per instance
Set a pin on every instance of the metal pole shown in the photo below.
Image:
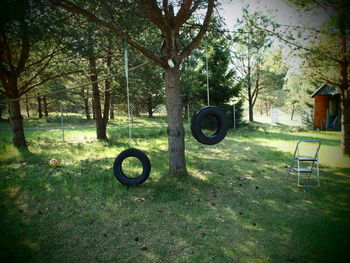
(207, 69)
(62, 122)
(234, 116)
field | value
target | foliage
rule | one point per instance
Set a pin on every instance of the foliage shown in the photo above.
(272, 78)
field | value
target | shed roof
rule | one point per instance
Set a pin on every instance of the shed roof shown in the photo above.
(325, 90)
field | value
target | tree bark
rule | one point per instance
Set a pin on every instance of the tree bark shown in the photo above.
(86, 103)
(107, 101)
(150, 107)
(249, 91)
(251, 111)
(27, 106)
(176, 133)
(93, 108)
(344, 79)
(39, 107)
(16, 121)
(111, 107)
(107, 95)
(100, 127)
(46, 111)
(345, 122)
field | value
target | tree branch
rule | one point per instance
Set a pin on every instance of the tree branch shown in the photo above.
(187, 51)
(151, 10)
(182, 15)
(37, 73)
(5, 46)
(23, 91)
(24, 48)
(111, 27)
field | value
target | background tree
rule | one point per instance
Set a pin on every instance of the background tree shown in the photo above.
(249, 47)
(271, 80)
(28, 46)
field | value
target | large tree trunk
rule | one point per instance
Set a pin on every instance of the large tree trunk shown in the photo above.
(100, 127)
(16, 121)
(176, 133)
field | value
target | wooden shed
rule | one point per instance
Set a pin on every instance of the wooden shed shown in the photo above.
(327, 108)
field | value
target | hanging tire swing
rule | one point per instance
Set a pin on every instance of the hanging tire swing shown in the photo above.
(131, 152)
(124, 178)
(206, 113)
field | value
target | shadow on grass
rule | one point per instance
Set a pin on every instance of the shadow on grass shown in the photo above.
(234, 206)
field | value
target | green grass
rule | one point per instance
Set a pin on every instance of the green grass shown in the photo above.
(235, 205)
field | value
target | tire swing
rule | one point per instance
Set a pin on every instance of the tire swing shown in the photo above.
(204, 113)
(211, 112)
(131, 152)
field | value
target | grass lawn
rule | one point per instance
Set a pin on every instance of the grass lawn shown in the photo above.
(235, 205)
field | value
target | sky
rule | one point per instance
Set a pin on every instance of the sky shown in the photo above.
(279, 11)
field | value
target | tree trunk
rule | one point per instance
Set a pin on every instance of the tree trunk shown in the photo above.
(27, 106)
(292, 115)
(107, 101)
(150, 107)
(344, 80)
(87, 110)
(249, 91)
(111, 108)
(251, 111)
(107, 86)
(46, 111)
(93, 108)
(16, 121)
(100, 127)
(345, 122)
(176, 133)
(39, 107)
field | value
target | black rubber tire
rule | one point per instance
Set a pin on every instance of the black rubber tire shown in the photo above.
(118, 171)
(221, 131)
